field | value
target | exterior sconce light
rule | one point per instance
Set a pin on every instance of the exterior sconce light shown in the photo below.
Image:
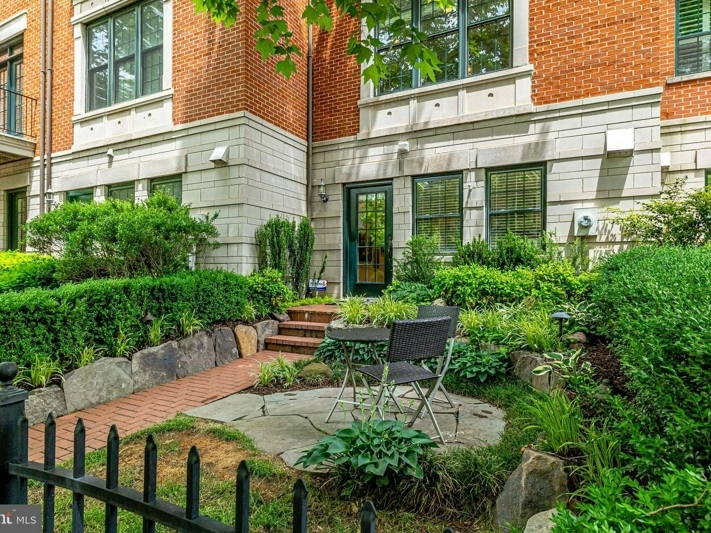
(49, 198)
(560, 316)
(322, 192)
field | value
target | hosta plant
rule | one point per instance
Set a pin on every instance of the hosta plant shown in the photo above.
(376, 452)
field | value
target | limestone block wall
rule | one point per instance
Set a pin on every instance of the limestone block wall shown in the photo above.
(569, 139)
(264, 176)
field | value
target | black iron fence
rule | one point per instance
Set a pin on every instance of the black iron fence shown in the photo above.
(17, 113)
(16, 470)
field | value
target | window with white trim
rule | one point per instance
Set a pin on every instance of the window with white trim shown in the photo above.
(515, 202)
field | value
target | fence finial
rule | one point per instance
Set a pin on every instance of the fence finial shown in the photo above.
(8, 373)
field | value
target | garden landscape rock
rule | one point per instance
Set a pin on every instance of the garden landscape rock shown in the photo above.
(280, 317)
(104, 380)
(264, 329)
(225, 346)
(535, 486)
(43, 401)
(315, 369)
(155, 366)
(523, 364)
(541, 522)
(196, 353)
(246, 340)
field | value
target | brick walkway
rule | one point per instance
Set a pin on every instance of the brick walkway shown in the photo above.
(143, 409)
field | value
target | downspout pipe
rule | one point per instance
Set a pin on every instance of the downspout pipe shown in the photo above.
(309, 120)
(50, 54)
(43, 73)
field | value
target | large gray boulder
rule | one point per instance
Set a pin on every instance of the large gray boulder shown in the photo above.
(43, 401)
(100, 382)
(155, 366)
(523, 364)
(535, 486)
(541, 522)
(247, 340)
(264, 329)
(195, 354)
(225, 346)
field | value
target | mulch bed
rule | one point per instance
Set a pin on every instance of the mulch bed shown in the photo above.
(607, 367)
(298, 385)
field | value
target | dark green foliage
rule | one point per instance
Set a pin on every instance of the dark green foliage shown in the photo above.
(656, 301)
(267, 291)
(679, 502)
(420, 260)
(376, 452)
(476, 252)
(332, 351)
(414, 293)
(287, 247)
(475, 286)
(677, 218)
(58, 323)
(20, 271)
(119, 239)
(472, 363)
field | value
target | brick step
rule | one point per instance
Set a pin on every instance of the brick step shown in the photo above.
(322, 314)
(289, 343)
(295, 328)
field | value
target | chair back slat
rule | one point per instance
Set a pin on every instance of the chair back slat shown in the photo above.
(432, 311)
(413, 340)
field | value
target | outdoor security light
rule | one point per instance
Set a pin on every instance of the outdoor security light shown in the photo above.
(322, 192)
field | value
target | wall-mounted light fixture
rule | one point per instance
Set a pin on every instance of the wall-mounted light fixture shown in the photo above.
(49, 198)
(322, 191)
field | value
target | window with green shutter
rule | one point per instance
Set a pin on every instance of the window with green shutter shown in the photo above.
(124, 191)
(125, 55)
(170, 186)
(516, 202)
(438, 210)
(81, 195)
(471, 38)
(693, 36)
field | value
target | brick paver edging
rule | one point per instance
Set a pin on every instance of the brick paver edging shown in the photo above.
(143, 409)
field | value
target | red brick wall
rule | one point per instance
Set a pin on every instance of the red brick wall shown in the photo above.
(218, 71)
(680, 100)
(63, 71)
(336, 83)
(585, 49)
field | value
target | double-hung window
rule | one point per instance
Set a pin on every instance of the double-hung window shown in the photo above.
(471, 38)
(438, 210)
(125, 55)
(122, 191)
(516, 202)
(11, 85)
(693, 36)
(172, 186)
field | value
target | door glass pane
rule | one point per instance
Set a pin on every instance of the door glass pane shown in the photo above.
(371, 238)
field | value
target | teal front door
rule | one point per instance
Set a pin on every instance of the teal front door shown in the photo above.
(369, 237)
(17, 217)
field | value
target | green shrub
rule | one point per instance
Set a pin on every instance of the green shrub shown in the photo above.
(679, 502)
(58, 323)
(656, 303)
(414, 293)
(482, 365)
(510, 252)
(20, 271)
(120, 239)
(287, 247)
(268, 292)
(420, 260)
(560, 418)
(353, 310)
(375, 452)
(331, 350)
(40, 372)
(476, 252)
(279, 371)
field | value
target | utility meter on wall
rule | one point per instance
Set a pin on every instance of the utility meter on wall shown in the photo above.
(585, 221)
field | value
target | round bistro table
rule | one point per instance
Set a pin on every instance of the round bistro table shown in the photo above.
(346, 337)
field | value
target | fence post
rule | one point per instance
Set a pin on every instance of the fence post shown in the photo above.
(12, 410)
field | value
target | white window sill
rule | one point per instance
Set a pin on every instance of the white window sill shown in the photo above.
(689, 77)
(156, 97)
(455, 84)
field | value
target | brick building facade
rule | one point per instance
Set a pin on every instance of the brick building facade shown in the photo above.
(546, 113)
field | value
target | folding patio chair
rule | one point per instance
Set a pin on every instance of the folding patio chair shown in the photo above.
(431, 311)
(411, 341)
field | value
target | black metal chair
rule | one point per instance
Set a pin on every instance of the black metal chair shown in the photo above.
(431, 311)
(411, 341)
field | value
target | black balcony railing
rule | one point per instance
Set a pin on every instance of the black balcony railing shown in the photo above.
(17, 113)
